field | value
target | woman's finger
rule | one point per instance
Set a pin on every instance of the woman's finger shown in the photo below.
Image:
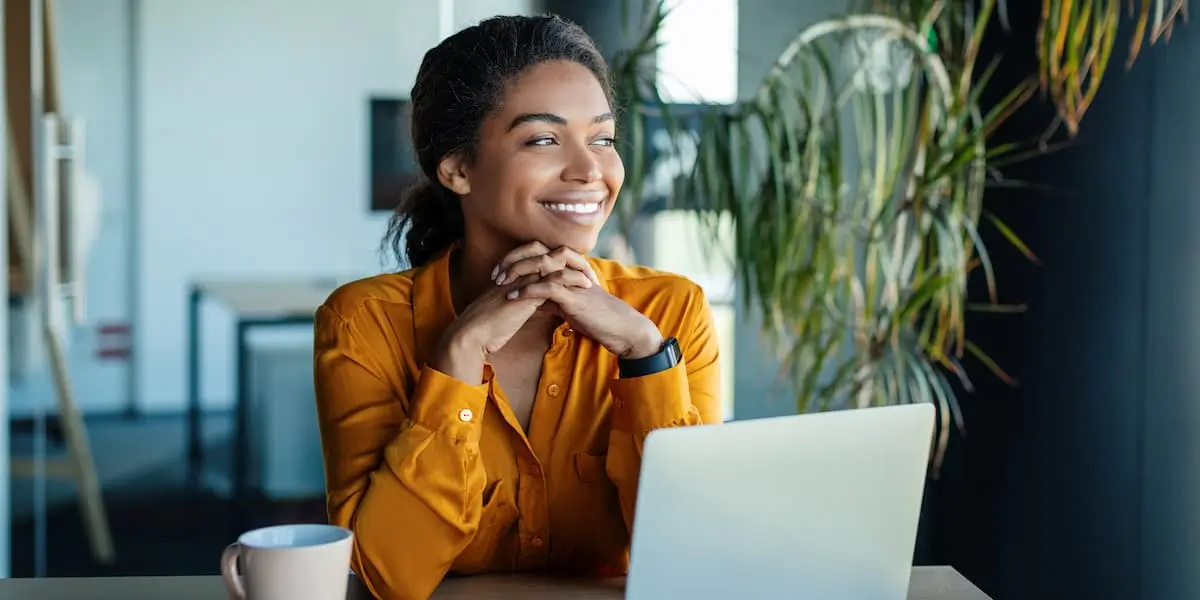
(575, 261)
(541, 264)
(547, 263)
(538, 291)
(511, 291)
(569, 278)
(519, 253)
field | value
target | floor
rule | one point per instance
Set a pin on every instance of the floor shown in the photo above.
(160, 525)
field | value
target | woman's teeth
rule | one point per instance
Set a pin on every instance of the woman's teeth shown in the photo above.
(579, 208)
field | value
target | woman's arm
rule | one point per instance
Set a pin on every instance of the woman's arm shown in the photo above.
(687, 394)
(403, 473)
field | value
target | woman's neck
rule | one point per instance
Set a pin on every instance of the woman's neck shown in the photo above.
(471, 273)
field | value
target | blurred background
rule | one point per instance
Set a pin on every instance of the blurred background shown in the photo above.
(221, 165)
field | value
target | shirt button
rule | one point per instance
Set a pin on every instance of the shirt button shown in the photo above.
(465, 415)
(535, 470)
(568, 332)
(553, 389)
(618, 403)
(536, 542)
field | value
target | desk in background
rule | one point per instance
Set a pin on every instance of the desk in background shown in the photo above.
(255, 304)
(928, 583)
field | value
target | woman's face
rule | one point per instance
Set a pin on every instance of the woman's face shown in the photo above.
(546, 167)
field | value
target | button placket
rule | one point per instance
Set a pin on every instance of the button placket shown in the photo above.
(533, 500)
(534, 532)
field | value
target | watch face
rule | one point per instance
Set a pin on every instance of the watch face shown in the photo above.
(673, 350)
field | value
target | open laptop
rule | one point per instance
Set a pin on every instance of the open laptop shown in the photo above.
(815, 506)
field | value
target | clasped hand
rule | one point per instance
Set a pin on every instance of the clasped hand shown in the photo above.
(561, 281)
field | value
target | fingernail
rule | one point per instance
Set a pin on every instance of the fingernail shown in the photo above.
(495, 271)
(500, 279)
(512, 295)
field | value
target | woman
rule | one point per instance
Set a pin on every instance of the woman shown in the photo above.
(485, 411)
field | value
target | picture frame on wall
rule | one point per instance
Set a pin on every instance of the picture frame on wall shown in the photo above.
(393, 163)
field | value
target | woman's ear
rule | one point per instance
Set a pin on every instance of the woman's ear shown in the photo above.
(452, 173)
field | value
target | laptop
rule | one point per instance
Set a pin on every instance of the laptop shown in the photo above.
(814, 506)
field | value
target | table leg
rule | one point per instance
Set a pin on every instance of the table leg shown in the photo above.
(241, 431)
(195, 434)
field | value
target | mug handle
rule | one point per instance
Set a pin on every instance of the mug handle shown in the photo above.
(229, 572)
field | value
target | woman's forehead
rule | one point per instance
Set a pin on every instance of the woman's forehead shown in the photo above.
(565, 89)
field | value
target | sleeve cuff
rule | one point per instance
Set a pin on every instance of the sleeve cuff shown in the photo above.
(642, 404)
(449, 406)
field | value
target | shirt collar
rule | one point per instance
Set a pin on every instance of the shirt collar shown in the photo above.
(432, 304)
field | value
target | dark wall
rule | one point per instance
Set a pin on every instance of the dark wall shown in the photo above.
(1082, 482)
(600, 18)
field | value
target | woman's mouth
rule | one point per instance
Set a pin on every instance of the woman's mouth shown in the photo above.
(579, 214)
(576, 208)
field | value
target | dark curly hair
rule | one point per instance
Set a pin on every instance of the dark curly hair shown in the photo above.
(460, 82)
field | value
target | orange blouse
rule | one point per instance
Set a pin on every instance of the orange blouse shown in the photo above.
(435, 476)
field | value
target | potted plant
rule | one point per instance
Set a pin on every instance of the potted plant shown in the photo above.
(854, 179)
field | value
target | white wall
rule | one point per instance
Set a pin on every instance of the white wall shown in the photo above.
(254, 153)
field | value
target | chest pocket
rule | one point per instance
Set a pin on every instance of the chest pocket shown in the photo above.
(600, 537)
(590, 467)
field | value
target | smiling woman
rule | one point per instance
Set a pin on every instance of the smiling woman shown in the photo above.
(485, 409)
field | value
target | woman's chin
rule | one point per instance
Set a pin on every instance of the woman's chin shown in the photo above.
(582, 242)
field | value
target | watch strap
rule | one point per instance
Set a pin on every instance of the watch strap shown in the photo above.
(666, 358)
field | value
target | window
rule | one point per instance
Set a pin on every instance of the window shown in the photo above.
(698, 58)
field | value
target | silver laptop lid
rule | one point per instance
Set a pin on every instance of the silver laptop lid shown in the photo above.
(809, 506)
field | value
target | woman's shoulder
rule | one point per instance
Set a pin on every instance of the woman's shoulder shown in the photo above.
(383, 291)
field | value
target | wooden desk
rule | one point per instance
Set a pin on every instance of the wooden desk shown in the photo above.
(928, 583)
(254, 303)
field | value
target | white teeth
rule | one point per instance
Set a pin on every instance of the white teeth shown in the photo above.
(581, 208)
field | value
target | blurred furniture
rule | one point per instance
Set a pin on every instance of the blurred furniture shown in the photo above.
(44, 155)
(286, 463)
(928, 583)
(255, 304)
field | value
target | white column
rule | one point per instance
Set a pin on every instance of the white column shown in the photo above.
(445, 19)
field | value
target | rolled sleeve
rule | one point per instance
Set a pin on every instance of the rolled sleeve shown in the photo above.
(450, 406)
(642, 404)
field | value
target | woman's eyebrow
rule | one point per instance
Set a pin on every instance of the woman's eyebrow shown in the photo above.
(553, 118)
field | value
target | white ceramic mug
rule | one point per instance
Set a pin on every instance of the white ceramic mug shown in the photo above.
(287, 562)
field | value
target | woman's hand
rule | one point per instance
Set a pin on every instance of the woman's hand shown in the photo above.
(488, 323)
(536, 259)
(592, 311)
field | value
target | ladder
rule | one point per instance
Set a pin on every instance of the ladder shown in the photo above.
(37, 144)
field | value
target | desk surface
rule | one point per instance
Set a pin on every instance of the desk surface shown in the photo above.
(269, 298)
(928, 583)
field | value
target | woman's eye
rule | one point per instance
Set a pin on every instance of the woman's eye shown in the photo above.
(606, 141)
(542, 141)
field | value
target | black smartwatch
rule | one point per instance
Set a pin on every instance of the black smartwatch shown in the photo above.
(667, 357)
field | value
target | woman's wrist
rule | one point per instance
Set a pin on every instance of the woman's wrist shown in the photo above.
(460, 358)
(648, 340)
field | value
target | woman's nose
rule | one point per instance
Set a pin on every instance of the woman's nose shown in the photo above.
(583, 167)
